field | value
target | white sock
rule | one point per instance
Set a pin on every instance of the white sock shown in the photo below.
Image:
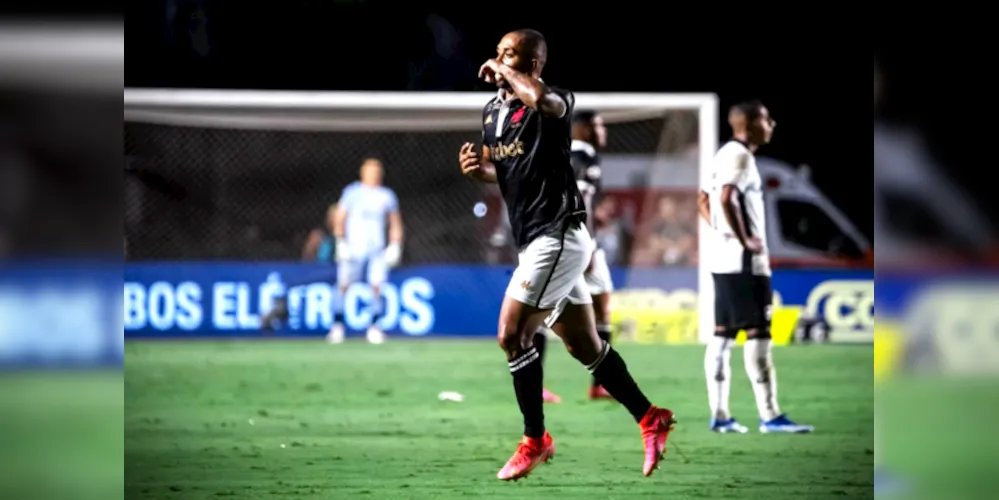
(760, 369)
(718, 373)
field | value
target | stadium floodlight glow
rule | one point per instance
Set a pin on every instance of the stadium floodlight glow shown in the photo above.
(408, 112)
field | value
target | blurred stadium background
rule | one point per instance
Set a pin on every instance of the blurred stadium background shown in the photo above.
(225, 194)
(226, 191)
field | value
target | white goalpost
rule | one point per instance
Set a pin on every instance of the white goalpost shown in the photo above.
(405, 112)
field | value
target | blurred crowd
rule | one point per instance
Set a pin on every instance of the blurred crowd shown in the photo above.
(668, 236)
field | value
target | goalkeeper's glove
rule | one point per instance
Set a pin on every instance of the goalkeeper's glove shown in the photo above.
(393, 254)
(342, 250)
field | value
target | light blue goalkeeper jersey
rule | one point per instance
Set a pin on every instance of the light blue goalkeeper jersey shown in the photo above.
(368, 208)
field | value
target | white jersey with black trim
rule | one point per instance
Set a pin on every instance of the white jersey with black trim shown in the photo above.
(735, 164)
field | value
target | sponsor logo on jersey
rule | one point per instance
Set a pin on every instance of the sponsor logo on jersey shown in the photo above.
(504, 151)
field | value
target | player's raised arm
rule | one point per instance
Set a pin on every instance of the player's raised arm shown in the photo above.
(520, 57)
(532, 91)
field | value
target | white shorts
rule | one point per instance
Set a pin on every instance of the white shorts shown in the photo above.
(351, 271)
(598, 279)
(550, 270)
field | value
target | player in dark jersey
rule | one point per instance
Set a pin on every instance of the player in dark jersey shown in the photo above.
(589, 135)
(526, 149)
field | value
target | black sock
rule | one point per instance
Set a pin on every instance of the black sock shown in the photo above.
(338, 318)
(604, 332)
(541, 343)
(610, 370)
(528, 378)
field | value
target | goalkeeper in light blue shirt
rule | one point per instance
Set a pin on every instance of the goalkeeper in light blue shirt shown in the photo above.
(366, 214)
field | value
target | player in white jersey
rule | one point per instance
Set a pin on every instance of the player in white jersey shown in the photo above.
(359, 226)
(740, 267)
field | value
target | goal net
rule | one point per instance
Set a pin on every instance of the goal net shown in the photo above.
(247, 175)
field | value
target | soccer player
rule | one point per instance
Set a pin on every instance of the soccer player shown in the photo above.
(740, 267)
(359, 227)
(588, 136)
(526, 149)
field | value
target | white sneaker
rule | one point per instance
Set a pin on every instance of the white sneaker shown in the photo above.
(728, 426)
(375, 335)
(336, 334)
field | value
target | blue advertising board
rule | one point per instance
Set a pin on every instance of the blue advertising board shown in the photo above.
(166, 300)
(943, 322)
(60, 314)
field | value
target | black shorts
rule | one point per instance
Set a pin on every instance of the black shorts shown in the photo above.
(742, 301)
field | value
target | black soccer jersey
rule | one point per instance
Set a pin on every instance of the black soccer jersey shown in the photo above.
(586, 165)
(531, 153)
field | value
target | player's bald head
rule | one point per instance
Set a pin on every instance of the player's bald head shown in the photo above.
(532, 44)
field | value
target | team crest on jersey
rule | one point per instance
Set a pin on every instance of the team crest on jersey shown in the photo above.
(515, 120)
(489, 119)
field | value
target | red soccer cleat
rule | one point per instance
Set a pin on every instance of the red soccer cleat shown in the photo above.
(550, 397)
(656, 426)
(531, 453)
(598, 392)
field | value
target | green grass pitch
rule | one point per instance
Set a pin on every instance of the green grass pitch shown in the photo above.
(301, 419)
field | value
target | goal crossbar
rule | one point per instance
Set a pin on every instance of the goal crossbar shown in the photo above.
(369, 111)
(219, 99)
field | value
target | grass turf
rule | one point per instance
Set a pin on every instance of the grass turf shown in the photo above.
(255, 420)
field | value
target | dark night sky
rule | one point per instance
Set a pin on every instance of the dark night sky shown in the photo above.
(809, 82)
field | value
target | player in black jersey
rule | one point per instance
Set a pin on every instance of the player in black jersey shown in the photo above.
(589, 135)
(526, 150)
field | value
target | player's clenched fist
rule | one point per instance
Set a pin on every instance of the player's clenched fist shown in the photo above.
(469, 159)
(489, 71)
(477, 164)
